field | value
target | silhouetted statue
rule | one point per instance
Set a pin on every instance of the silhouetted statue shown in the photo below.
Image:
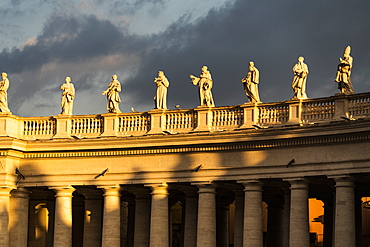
(112, 93)
(67, 97)
(160, 99)
(343, 77)
(250, 83)
(205, 84)
(4, 85)
(300, 71)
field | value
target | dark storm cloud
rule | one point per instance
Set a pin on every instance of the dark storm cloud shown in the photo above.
(271, 33)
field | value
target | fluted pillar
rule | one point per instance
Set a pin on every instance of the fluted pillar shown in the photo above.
(18, 221)
(239, 219)
(142, 217)
(206, 232)
(63, 216)
(92, 235)
(111, 216)
(4, 215)
(191, 213)
(345, 235)
(159, 228)
(299, 225)
(253, 230)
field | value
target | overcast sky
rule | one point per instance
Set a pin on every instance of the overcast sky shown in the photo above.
(43, 41)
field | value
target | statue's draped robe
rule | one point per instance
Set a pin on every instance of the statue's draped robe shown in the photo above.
(4, 85)
(161, 96)
(250, 83)
(300, 71)
(67, 98)
(343, 77)
(205, 84)
(113, 96)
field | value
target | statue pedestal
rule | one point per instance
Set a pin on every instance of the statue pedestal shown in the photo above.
(250, 115)
(63, 127)
(110, 124)
(204, 122)
(295, 112)
(9, 125)
(157, 121)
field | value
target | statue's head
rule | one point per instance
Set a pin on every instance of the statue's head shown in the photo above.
(114, 77)
(68, 79)
(204, 68)
(4, 75)
(301, 59)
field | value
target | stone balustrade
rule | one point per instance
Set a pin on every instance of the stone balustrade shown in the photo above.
(228, 118)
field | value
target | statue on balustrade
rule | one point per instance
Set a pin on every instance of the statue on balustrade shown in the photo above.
(112, 93)
(343, 77)
(160, 99)
(250, 83)
(4, 85)
(300, 71)
(205, 84)
(68, 96)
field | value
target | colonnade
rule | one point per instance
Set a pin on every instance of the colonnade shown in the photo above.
(139, 216)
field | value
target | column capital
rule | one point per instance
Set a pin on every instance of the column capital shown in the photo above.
(158, 189)
(252, 185)
(20, 193)
(5, 190)
(63, 191)
(207, 187)
(111, 190)
(298, 183)
(344, 181)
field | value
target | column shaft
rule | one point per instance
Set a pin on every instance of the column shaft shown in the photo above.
(159, 228)
(253, 231)
(191, 213)
(299, 226)
(111, 216)
(345, 235)
(239, 220)
(93, 218)
(63, 216)
(4, 215)
(206, 232)
(18, 220)
(142, 218)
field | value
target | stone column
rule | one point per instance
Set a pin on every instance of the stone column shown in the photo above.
(239, 219)
(131, 223)
(328, 221)
(253, 230)
(206, 232)
(142, 217)
(159, 228)
(299, 226)
(222, 219)
(63, 216)
(92, 235)
(345, 235)
(124, 223)
(18, 221)
(191, 213)
(275, 221)
(286, 216)
(111, 216)
(4, 215)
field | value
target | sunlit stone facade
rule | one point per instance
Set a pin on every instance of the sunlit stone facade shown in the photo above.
(206, 177)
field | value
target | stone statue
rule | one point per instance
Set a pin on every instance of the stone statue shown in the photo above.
(343, 77)
(250, 83)
(67, 96)
(112, 93)
(160, 99)
(4, 85)
(300, 71)
(205, 84)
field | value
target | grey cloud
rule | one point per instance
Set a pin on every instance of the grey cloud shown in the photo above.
(271, 33)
